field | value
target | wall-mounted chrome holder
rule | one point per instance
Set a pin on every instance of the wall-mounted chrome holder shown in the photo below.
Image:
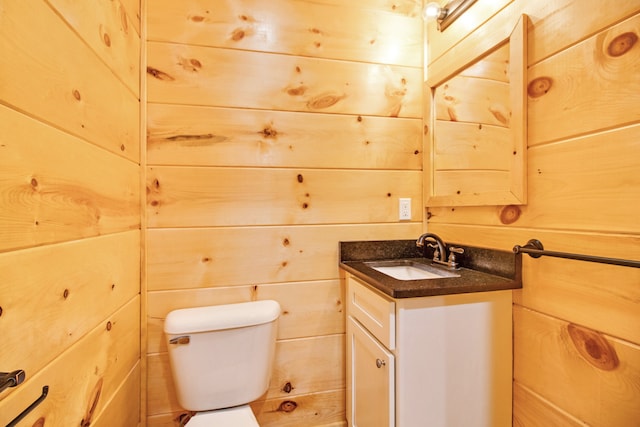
(535, 249)
(11, 379)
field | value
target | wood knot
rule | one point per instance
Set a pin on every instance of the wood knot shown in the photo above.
(190, 64)
(197, 18)
(500, 113)
(286, 242)
(269, 132)
(324, 101)
(510, 214)
(287, 406)
(106, 39)
(297, 91)
(237, 34)
(287, 387)
(93, 403)
(300, 178)
(593, 347)
(160, 75)
(622, 44)
(538, 87)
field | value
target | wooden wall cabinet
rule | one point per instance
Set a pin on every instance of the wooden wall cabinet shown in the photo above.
(475, 153)
(437, 361)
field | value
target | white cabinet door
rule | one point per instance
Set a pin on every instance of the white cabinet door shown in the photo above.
(370, 379)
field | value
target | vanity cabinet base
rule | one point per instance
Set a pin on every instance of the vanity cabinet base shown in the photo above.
(452, 359)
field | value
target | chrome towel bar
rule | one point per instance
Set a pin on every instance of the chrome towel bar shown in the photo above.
(535, 249)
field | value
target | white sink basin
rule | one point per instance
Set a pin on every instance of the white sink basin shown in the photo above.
(410, 270)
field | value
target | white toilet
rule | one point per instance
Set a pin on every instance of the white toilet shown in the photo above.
(221, 359)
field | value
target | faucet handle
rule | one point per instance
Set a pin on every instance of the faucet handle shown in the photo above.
(452, 255)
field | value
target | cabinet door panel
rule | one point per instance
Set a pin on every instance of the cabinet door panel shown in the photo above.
(371, 379)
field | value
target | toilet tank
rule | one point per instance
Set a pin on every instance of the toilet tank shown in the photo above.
(222, 355)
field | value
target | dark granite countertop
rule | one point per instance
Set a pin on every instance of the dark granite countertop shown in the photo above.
(481, 269)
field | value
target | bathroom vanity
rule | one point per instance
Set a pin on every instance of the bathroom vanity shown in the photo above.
(428, 352)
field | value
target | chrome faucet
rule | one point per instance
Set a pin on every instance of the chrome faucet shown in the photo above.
(441, 250)
(440, 253)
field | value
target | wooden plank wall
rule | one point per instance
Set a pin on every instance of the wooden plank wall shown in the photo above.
(577, 324)
(70, 210)
(275, 130)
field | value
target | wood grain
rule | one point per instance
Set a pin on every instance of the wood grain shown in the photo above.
(367, 31)
(55, 77)
(209, 136)
(56, 293)
(308, 308)
(83, 381)
(204, 257)
(53, 186)
(547, 362)
(110, 33)
(188, 74)
(259, 196)
(325, 352)
(586, 99)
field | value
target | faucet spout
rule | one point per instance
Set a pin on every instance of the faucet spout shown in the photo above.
(441, 253)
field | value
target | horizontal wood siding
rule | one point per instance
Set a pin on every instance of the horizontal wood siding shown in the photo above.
(70, 211)
(263, 154)
(576, 324)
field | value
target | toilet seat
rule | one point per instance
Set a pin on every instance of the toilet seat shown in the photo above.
(238, 416)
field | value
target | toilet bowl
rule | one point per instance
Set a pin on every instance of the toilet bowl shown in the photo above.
(221, 359)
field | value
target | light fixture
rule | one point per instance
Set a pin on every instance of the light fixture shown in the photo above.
(434, 11)
(447, 14)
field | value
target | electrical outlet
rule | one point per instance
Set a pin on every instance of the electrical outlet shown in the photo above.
(405, 209)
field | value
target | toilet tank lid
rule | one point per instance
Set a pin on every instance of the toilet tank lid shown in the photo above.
(218, 317)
